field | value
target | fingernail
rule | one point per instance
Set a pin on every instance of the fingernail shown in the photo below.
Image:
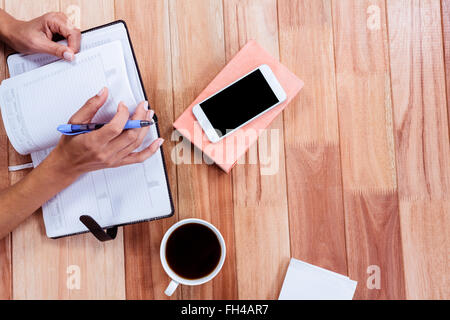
(146, 105)
(161, 140)
(150, 114)
(100, 93)
(68, 55)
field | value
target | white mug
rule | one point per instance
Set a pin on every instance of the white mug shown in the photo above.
(176, 279)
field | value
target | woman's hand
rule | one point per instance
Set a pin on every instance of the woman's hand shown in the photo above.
(36, 35)
(108, 147)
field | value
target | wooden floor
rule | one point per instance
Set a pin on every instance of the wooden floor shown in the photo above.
(364, 176)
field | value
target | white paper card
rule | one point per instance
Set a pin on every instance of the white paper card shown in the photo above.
(305, 281)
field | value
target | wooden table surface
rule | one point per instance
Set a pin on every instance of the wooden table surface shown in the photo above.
(363, 179)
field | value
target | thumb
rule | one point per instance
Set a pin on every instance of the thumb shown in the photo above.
(56, 49)
(90, 108)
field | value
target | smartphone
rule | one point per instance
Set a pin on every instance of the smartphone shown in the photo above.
(239, 103)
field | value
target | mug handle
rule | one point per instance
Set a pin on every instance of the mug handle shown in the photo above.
(171, 288)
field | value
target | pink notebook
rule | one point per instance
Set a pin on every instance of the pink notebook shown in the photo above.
(226, 152)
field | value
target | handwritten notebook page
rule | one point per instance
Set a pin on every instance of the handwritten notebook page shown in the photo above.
(112, 196)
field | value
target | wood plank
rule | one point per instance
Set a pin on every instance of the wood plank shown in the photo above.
(367, 151)
(425, 226)
(197, 42)
(43, 266)
(259, 190)
(5, 243)
(86, 14)
(446, 30)
(316, 210)
(148, 23)
(422, 143)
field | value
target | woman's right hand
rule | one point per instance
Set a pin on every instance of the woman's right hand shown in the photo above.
(108, 147)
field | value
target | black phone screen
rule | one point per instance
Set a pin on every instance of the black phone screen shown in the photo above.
(239, 103)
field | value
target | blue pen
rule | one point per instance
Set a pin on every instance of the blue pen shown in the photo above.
(74, 129)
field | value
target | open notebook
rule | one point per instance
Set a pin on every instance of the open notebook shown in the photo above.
(44, 92)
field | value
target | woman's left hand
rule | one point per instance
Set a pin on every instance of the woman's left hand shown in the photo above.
(36, 35)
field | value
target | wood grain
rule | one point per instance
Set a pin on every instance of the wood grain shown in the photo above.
(86, 14)
(367, 151)
(197, 42)
(42, 265)
(425, 226)
(316, 210)
(422, 143)
(5, 243)
(148, 23)
(259, 189)
(446, 35)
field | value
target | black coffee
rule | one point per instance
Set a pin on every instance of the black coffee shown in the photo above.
(193, 251)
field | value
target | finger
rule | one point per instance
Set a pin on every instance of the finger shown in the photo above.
(64, 27)
(115, 127)
(46, 45)
(59, 23)
(90, 108)
(129, 141)
(137, 157)
(141, 111)
(131, 137)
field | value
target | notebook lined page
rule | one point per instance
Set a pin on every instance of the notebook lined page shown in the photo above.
(20, 63)
(34, 103)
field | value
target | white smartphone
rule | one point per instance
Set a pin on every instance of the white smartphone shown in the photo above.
(239, 103)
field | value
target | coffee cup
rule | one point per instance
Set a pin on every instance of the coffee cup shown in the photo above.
(192, 253)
